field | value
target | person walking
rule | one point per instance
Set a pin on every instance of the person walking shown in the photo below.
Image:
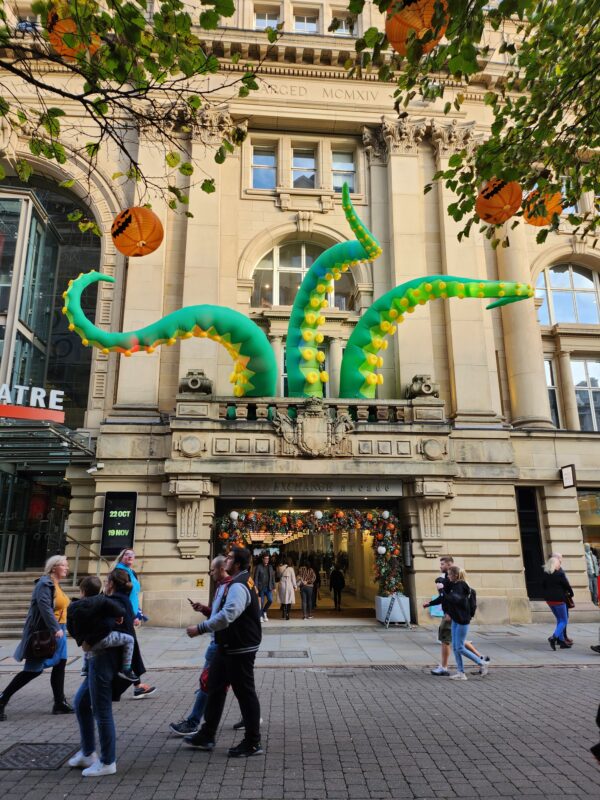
(337, 583)
(47, 611)
(191, 723)
(556, 589)
(591, 567)
(456, 603)
(286, 589)
(124, 561)
(264, 579)
(443, 586)
(237, 630)
(306, 581)
(102, 684)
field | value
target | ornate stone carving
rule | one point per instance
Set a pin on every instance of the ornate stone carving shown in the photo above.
(314, 432)
(192, 525)
(432, 449)
(196, 382)
(214, 123)
(304, 221)
(422, 386)
(432, 507)
(374, 145)
(8, 139)
(403, 136)
(452, 137)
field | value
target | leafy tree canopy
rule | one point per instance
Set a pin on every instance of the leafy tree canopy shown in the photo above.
(545, 103)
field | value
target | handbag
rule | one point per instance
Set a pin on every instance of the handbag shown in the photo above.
(569, 601)
(41, 644)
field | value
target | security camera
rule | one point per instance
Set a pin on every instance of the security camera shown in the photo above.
(95, 467)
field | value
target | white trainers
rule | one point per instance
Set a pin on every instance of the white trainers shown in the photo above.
(80, 760)
(98, 769)
(485, 668)
(265, 618)
(459, 676)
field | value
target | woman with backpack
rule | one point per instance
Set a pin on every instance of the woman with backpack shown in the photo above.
(460, 604)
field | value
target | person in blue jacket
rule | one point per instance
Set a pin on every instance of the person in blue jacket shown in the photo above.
(125, 561)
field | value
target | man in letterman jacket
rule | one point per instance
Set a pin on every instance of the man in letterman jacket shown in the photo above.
(237, 630)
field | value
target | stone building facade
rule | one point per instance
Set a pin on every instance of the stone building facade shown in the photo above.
(479, 409)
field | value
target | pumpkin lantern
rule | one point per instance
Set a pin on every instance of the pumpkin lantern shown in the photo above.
(417, 16)
(498, 201)
(137, 231)
(541, 212)
(77, 42)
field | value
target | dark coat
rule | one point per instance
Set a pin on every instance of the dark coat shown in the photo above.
(336, 580)
(90, 619)
(556, 587)
(264, 577)
(456, 602)
(40, 615)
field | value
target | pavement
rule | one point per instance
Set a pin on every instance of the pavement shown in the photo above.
(349, 711)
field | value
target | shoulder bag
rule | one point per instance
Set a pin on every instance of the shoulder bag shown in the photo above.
(41, 645)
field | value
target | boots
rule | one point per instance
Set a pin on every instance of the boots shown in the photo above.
(282, 609)
(287, 610)
(553, 640)
(62, 707)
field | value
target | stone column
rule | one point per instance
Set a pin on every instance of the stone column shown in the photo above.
(471, 357)
(567, 387)
(277, 345)
(335, 366)
(414, 344)
(138, 377)
(529, 403)
(195, 514)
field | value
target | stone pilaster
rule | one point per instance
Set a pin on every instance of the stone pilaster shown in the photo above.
(195, 514)
(567, 387)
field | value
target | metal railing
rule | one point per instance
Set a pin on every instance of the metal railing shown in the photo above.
(78, 546)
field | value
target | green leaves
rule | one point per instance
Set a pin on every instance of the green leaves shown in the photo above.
(172, 159)
(208, 185)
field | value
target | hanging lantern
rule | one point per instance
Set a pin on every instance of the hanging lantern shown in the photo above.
(381, 550)
(396, 552)
(318, 515)
(369, 516)
(541, 213)
(233, 516)
(340, 515)
(390, 526)
(78, 43)
(137, 231)
(498, 201)
(284, 520)
(385, 514)
(380, 537)
(417, 16)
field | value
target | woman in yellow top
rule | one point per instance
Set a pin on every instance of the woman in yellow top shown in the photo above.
(48, 611)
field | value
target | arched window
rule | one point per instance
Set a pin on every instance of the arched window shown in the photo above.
(570, 294)
(280, 272)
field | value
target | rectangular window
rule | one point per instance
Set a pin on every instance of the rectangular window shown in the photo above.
(343, 169)
(262, 295)
(345, 26)
(266, 19)
(586, 378)
(307, 22)
(264, 168)
(304, 169)
(573, 209)
(552, 391)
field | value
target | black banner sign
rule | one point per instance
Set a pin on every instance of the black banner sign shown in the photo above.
(118, 526)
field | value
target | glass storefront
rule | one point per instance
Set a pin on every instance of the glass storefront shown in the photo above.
(589, 513)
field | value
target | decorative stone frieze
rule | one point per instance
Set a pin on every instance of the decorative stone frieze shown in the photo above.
(433, 505)
(314, 432)
(194, 513)
(374, 145)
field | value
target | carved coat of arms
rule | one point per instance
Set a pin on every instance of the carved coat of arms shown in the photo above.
(315, 431)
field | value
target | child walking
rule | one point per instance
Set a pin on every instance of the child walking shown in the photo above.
(97, 612)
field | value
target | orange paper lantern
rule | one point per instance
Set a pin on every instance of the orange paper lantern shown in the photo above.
(137, 231)
(539, 214)
(369, 517)
(416, 16)
(58, 28)
(498, 201)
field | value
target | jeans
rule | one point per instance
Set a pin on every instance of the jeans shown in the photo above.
(93, 702)
(593, 584)
(337, 597)
(459, 635)
(239, 672)
(562, 617)
(306, 592)
(268, 594)
(198, 710)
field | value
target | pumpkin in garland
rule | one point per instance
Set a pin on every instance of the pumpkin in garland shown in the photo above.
(66, 38)
(498, 201)
(541, 211)
(137, 231)
(417, 16)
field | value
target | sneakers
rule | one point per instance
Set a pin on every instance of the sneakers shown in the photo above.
(128, 675)
(439, 670)
(183, 728)
(459, 676)
(485, 668)
(200, 742)
(98, 769)
(81, 760)
(143, 690)
(241, 724)
(245, 750)
(265, 618)
(594, 647)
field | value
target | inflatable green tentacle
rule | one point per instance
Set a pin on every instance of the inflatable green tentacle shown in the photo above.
(303, 358)
(254, 372)
(359, 378)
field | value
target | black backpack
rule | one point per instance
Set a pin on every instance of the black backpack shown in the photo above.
(472, 601)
